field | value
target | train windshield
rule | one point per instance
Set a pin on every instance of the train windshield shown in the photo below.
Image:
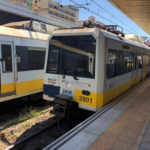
(72, 55)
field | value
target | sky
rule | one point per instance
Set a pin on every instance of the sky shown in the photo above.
(106, 16)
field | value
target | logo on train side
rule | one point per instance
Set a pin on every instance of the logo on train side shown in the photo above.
(66, 91)
(51, 81)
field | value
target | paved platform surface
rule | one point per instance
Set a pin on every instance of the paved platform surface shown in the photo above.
(131, 130)
(145, 144)
(126, 126)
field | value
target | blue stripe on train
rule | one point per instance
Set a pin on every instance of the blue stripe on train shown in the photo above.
(50, 90)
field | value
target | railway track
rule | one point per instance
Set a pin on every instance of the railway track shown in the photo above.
(56, 137)
(48, 134)
(12, 109)
(53, 136)
(20, 145)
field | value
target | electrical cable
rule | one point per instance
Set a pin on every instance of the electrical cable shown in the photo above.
(111, 14)
(93, 12)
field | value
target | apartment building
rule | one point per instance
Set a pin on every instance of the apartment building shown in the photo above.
(49, 7)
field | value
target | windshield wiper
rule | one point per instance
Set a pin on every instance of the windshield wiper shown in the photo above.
(74, 76)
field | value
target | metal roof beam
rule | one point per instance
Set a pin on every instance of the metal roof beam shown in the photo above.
(136, 10)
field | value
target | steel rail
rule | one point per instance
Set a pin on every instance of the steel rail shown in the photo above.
(18, 145)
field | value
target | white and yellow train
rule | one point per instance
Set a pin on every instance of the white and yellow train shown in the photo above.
(90, 67)
(22, 55)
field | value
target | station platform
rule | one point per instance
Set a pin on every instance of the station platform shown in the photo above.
(125, 126)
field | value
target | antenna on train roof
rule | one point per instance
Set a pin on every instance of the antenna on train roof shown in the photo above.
(110, 28)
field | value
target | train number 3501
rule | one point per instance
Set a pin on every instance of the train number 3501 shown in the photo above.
(85, 99)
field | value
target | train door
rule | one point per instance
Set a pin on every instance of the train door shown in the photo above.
(7, 85)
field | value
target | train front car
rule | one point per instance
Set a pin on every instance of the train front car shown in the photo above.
(71, 73)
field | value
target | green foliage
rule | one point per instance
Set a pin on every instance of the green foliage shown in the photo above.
(24, 115)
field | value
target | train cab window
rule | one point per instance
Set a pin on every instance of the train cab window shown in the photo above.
(53, 60)
(30, 58)
(74, 55)
(6, 58)
(119, 62)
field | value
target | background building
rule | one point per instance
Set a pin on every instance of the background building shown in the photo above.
(50, 8)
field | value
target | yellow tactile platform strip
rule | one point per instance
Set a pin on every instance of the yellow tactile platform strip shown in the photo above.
(126, 133)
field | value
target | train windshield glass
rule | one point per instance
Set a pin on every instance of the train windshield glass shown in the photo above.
(72, 55)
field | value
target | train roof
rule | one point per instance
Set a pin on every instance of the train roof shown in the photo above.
(6, 31)
(74, 31)
(104, 32)
(122, 39)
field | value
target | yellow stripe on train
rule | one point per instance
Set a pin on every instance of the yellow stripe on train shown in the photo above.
(98, 100)
(22, 87)
(6, 88)
(28, 86)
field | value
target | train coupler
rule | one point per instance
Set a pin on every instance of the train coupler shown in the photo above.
(63, 106)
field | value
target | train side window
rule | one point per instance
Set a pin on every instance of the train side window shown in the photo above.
(6, 58)
(119, 62)
(115, 64)
(129, 61)
(140, 61)
(111, 64)
(31, 58)
(36, 58)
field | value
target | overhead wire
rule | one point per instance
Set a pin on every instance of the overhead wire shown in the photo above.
(96, 3)
(93, 12)
(97, 14)
(88, 9)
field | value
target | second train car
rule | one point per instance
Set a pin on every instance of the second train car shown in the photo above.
(22, 57)
(89, 67)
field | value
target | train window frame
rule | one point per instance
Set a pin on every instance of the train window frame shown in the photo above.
(140, 60)
(7, 63)
(124, 62)
(26, 60)
(62, 49)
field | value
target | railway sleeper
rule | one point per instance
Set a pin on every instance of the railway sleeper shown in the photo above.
(63, 106)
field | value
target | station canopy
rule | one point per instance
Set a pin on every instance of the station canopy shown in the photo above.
(136, 10)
